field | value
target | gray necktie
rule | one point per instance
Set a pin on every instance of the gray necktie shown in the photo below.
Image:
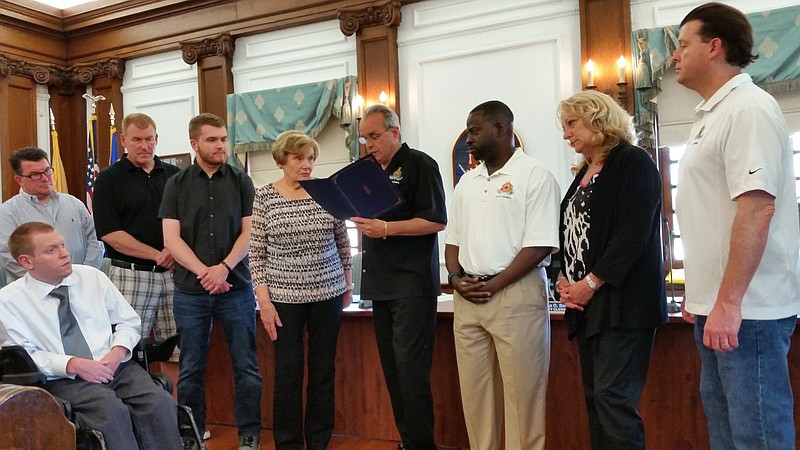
(74, 342)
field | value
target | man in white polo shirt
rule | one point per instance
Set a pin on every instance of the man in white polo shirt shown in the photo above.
(738, 216)
(503, 226)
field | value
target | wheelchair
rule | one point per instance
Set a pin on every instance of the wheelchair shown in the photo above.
(17, 367)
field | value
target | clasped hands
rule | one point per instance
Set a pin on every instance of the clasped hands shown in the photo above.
(215, 279)
(101, 371)
(574, 295)
(473, 289)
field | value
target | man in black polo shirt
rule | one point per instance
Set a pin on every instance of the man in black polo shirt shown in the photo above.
(400, 273)
(206, 214)
(127, 195)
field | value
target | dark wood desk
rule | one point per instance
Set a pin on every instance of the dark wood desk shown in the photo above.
(670, 404)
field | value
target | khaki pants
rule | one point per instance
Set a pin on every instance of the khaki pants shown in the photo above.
(503, 353)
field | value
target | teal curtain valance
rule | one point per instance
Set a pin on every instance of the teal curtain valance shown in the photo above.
(776, 36)
(256, 118)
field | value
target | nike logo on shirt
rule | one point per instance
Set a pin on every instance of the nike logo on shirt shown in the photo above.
(754, 171)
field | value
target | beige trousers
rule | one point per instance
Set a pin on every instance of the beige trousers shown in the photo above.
(503, 354)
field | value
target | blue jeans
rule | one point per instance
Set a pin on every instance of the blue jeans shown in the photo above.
(747, 396)
(236, 310)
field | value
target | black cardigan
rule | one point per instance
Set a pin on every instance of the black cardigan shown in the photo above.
(624, 245)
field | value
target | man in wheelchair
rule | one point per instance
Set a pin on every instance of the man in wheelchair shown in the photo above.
(63, 316)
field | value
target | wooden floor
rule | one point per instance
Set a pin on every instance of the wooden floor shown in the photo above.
(225, 438)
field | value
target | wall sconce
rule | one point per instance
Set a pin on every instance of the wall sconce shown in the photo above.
(383, 97)
(590, 74)
(622, 85)
(358, 106)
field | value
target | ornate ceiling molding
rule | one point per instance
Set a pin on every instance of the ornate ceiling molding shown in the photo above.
(53, 75)
(385, 13)
(219, 45)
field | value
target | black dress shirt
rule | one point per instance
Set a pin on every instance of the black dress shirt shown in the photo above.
(210, 211)
(407, 266)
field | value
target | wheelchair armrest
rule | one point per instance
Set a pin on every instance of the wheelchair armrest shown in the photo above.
(146, 351)
(37, 379)
(17, 367)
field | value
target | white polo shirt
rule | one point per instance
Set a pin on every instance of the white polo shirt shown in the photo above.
(493, 217)
(738, 143)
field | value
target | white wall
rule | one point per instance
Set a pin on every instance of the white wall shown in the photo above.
(659, 13)
(165, 88)
(299, 55)
(455, 55)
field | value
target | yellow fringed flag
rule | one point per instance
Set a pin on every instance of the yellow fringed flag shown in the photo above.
(59, 175)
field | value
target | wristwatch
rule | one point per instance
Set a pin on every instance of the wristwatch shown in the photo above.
(591, 283)
(452, 275)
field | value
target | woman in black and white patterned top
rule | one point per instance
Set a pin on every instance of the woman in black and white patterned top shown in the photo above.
(300, 261)
(612, 278)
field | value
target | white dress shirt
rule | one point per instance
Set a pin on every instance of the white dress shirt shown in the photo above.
(29, 317)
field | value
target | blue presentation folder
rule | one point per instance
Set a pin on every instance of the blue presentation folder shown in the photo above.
(360, 189)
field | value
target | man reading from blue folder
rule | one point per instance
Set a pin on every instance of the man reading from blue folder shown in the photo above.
(401, 273)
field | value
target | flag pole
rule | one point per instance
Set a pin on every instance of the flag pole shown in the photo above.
(114, 153)
(59, 174)
(91, 150)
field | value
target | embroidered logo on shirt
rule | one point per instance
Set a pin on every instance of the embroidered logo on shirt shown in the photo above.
(754, 171)
(507, 188)
(397, 176)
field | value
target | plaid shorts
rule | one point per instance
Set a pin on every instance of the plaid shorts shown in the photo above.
(150, 295)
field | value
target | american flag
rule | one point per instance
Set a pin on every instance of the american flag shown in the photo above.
(91, 161)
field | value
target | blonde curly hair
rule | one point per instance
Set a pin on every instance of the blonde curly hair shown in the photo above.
(602, 116)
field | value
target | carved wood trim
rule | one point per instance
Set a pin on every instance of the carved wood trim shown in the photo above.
(385, 13)
(219, 45)
(54, 75)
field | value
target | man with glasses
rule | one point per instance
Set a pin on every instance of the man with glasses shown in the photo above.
(400, 274)
(38, 202)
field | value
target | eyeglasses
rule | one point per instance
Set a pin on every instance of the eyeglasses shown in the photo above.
(372, 137)
(36, 176)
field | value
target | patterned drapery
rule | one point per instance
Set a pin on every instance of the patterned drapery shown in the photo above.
(256, 118)
(776, 36)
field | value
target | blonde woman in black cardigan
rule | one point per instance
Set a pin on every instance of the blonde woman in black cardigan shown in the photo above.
(612, 278)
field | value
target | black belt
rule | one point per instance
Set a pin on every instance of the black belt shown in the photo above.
(133, 266)
(480, 277)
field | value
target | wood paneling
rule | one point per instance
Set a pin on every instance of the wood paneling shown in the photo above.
(32, 418)
(362, 401)
(605, 36)
(215, 82)
(17, 124)
(69, 109)
(375, 27)
(670, 404)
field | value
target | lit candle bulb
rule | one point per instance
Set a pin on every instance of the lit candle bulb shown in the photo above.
(622, 63)
(383, 97)
(589, 73)
(358, 106)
